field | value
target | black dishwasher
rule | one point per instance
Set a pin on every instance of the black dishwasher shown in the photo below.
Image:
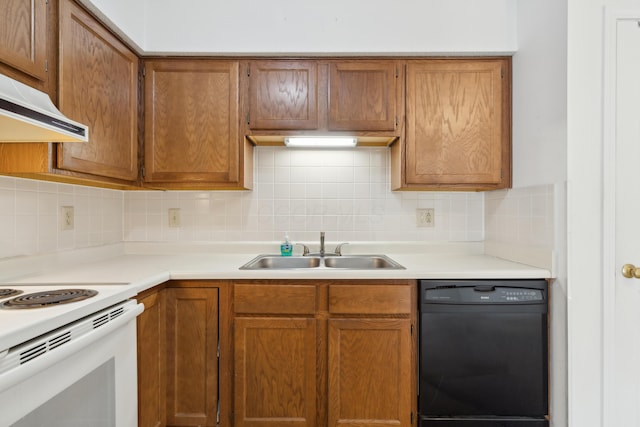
(483, 358)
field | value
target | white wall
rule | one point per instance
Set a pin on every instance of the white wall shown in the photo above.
(294, 26)
(540, 160)
(540, 94)
(126, 17)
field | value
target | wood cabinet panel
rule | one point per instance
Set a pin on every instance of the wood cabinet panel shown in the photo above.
(370, 370)
(274, 299)
(320, 97)
(362, 96)
(283, 95)
(192, 359)
(191, 123)
(364, 299)
(98, 86)
(458, 129)
(23, 36)
(275, 372)
(152, 361)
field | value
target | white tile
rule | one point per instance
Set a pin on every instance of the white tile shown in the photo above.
(12, 183)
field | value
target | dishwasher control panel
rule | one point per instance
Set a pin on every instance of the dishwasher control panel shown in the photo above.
(482, 294)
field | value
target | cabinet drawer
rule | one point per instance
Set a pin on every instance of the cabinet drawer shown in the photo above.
(364, 299)
(274, 299)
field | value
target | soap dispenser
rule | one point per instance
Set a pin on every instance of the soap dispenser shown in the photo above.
(286, 248)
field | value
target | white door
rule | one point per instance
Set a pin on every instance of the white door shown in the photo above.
(621, 295)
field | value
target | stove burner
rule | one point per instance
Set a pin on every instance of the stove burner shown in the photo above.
(48, 298)
(6, 292)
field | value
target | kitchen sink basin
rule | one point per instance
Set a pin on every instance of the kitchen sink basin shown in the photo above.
(362, 262)
(350, 262)
(275, 262)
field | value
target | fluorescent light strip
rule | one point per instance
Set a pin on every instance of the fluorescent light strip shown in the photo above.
(321, 141)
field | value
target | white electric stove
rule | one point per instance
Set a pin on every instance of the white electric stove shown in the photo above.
(18, 325)
(68, 354)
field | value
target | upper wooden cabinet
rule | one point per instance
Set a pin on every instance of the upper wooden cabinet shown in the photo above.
(23, 36)
(458, 126)
(191, 125)
(283, 95)
(321, 96)
(98, 87)
(362, 96)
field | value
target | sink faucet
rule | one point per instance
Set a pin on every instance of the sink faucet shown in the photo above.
(322, 243)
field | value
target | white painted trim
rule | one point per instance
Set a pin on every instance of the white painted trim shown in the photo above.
(609, 269)
(608, 207)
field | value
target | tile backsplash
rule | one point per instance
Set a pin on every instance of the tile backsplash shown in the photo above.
(521, 216)
(30, 217)
(344, 193)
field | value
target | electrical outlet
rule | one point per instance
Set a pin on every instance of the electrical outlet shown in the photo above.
(66, 218)
(174, 217)
(425, 217)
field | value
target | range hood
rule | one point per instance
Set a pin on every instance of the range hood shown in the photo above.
(28, 115)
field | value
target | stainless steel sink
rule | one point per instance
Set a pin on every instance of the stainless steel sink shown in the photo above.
(348, 262)
(275, 262)
(362, 262)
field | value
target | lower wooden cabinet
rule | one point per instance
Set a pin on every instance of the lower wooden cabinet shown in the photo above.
(371, 348)
(152, 361)
(330, 353)
(178, 356)
(275, 372)
(192, 361)
(273, 353)
(275, 335)
(370, 372)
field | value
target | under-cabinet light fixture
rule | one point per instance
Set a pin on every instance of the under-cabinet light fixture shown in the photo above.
(321, 141)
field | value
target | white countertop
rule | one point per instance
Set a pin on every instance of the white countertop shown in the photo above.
(134, 267)
(144, 265)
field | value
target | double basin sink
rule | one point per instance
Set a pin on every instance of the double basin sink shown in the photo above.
(345, 262)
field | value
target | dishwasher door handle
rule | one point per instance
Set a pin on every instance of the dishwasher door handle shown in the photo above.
(484, 288)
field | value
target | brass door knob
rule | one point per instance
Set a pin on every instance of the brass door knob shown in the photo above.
(630, 271)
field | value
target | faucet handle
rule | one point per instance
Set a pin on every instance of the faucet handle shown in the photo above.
(338, 250)
(305, 249)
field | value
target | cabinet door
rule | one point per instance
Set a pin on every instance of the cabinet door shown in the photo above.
(192, 359)
(98, 86)
(151, 362)
(23, 36)
(370, 372)
(458, 124)
(362, 96)
(283, 95)
(275, 372)
(191, 121)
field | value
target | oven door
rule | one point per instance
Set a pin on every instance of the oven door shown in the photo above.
(83, 374)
